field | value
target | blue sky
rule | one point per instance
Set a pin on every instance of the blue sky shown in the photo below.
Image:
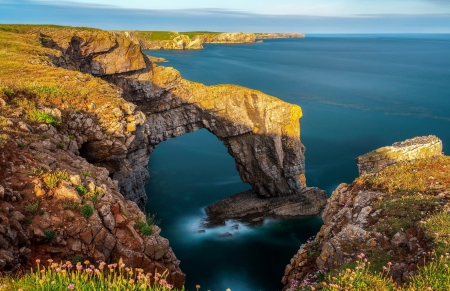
(310, 16)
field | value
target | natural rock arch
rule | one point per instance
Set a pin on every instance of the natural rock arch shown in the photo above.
(261, 132)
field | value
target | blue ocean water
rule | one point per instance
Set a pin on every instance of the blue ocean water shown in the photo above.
(357, 92)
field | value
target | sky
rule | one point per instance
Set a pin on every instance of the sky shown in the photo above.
(308, 16)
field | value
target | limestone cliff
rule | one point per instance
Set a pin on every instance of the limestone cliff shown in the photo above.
(184, 42)
(381, 215)
(261, 132)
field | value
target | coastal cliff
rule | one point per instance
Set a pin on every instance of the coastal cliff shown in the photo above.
(181, 41)
(261, 132)
(81, 112)
(388, 216)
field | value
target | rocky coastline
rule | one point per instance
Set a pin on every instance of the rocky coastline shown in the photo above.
(180, 41)
(84, 166)
(383, 224)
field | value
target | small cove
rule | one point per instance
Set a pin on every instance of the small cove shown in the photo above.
(357, 93)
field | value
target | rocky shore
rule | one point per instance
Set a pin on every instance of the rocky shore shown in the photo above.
(381, 215)
(180, 41)
(76, 140)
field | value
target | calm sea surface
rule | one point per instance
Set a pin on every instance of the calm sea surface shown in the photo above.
(357, 92)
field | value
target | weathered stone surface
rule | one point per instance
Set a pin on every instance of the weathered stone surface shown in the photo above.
(415, 148)
(248, 207)
(351, 218)
(261, 132)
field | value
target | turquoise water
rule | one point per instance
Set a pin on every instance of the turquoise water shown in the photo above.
(357, 93)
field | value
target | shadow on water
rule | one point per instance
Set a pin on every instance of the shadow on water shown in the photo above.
(187, 174)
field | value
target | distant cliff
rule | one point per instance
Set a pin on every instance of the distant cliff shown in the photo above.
(181, 41)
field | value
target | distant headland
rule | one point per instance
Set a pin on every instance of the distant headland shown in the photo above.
(172, 40)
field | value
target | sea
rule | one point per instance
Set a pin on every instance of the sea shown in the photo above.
(357, 93)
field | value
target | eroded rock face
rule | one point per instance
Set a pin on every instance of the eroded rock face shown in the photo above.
(351, 217)
(261, 132)
(410, 149)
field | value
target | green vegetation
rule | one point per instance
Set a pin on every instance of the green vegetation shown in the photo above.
(49, 234)
(158, 35)
(81, 189)
(193, 34)
(416, 200)
(32, 207)
(145, 227)
(72, 275)
(86, 210)
(52, 179)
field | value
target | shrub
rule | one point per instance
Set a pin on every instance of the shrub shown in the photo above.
(52, 179)
(49, 234)
(32, 207)
(145, 227)
(87, 173)
(43, 117)
(86, 210)
(81, 189)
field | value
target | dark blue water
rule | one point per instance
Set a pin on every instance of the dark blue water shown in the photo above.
(357, 93)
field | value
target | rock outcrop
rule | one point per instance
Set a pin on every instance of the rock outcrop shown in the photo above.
(184, 42)
(54, 204)
(261, 132)
(247, 207)
(410, 149)
(357, 218)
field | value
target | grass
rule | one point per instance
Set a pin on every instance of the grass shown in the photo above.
(157, 35)
(53, 178)
(49, 234)
(145, 227)
(86, 210)
(43, 117)
(32, 207)
(415, 199)
(85, 276)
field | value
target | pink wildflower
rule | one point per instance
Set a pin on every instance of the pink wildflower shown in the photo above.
(71, 287)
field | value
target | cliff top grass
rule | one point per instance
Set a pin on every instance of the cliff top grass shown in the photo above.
(169, 35)
(26, 71)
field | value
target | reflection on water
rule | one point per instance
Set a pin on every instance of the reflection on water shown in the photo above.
(357, 94)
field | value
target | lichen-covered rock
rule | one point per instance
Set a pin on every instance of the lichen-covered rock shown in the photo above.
(351, 222)
(261, 132)
(415, 148)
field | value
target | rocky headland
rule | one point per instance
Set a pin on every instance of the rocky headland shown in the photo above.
(386, 216)
(180, 41)
(81, 112)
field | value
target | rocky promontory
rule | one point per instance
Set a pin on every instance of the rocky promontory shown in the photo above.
(388, 216)
(181, 41)
(81, 112)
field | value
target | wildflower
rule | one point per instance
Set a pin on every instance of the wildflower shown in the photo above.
(58, 270)
(50, 261)
(168, 286)
(389, 264)
(144, 286)
(79, 267)
(197, 287)
(228, 289)
(131, 281)
(53, 283)
(384, 268)
(71, 287)
(162, 282)
(87, 262)
(38, 261)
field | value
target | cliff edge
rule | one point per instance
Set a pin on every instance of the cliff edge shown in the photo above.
(394, 217)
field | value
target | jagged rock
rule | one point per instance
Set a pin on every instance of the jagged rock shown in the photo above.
(410, 149)
(260, 131)
(400, 240)
(66, 191)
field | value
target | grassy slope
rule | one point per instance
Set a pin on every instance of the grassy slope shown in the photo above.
(419, 195)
